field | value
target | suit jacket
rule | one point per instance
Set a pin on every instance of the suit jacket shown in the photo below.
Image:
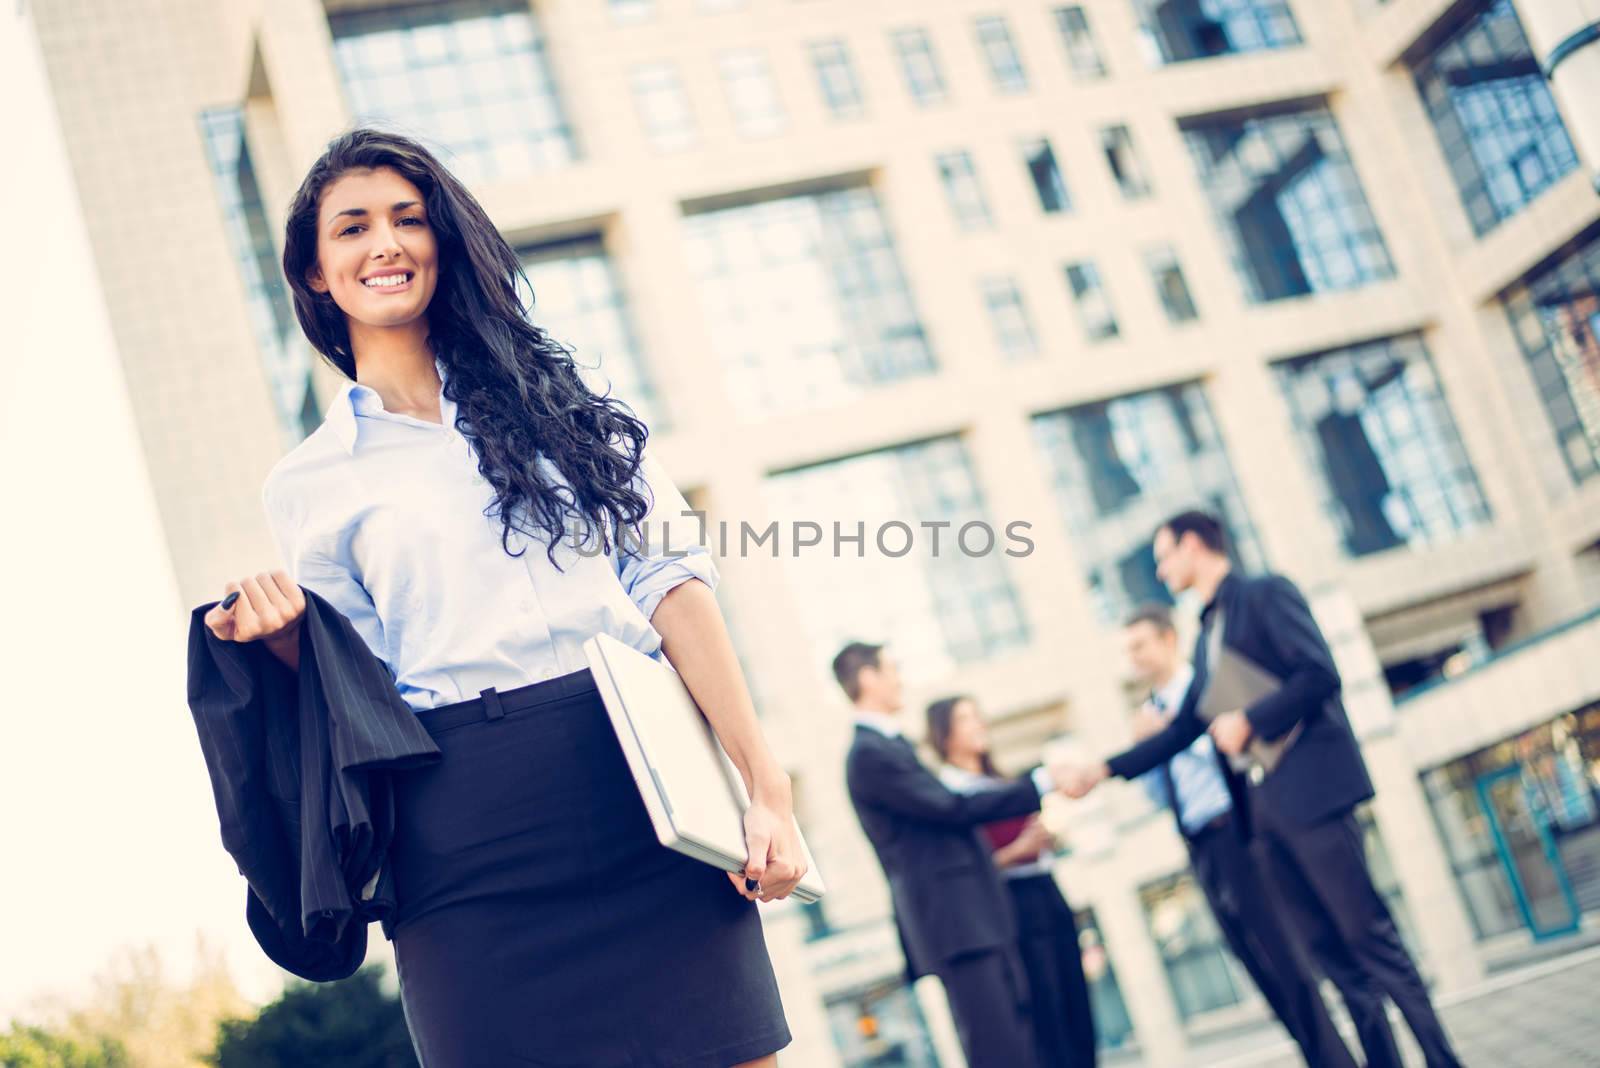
(948, 896)
(1322, 774)
(299, 765)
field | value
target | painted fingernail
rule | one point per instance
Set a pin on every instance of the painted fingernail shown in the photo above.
(750, 884)
(227, 602)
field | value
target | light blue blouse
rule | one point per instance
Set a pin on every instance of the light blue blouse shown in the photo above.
(382, 515)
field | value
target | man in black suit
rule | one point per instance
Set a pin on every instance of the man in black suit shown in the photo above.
(953, 913)
(1194, 786)
(1302, 813)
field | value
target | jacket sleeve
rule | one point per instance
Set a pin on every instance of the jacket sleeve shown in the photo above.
(905, 787)
(672, 550)
(1291, 634)
(322, 567)
(1157, 749)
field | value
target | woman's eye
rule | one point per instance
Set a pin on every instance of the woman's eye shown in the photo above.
(412, 218)
(347, 229)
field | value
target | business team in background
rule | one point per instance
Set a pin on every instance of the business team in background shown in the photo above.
(1279, 854)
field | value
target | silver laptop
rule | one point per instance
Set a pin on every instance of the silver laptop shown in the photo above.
(695, 796)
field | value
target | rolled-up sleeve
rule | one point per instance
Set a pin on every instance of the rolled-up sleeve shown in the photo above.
(673, 549)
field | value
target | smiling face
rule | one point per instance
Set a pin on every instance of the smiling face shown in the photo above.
(969, 734)
(376, 251)
(1152, 651)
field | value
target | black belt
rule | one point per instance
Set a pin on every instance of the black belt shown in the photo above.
(492, 703)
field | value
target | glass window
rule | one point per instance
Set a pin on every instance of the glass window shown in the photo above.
(632, 10)
(1120, 468)
(287, 362)
(1123, 159)
(1048, 181)
(752, 93)
(924, 79)
(1372, 422)
(1520, 822)
(578, 301)
(959, 177)
(880, 1025)
(472, 75)
(1113, 1027)
(1202, 975)
(1173, 31)
(1099, 319)
(1000, 54)
(1555, 314)
(1289, 203)
(836, 76)
(1083, 54)
(1162, 263)
(1495, 117)
(1008, 316)
(916, 578)
(807, 298)
(663, 106)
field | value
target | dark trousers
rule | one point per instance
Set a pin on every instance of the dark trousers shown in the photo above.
(1321, 876)
(1253, 925)
(1063, 1023)
(988, 995)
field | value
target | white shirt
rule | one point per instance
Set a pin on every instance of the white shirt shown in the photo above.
(381, 514)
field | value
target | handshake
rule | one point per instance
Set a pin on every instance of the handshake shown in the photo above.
(1075, 780)
(1230, 733)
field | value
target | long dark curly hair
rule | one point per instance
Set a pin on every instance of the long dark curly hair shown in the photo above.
(517, 391)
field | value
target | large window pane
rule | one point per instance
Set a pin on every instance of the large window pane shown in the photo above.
(1048, 181)
(1000, 55)
(663, 106)
(1202, 975)
(1173, 31)
(285, 358)
(1556, 316)
(959, 176)
(836, 77)
(1376, 431)
(1494, 115)
(1127, 166)
(914, 578)
(578, 302)
(1083, 54)
(470, 74)
(919, 64)
(752, 93)
(1008, 316)
(1095, 313)
(1122, 467)
(805, 298)
(1289, 203)
(1520, 822)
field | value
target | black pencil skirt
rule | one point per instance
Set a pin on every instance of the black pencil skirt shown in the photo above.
(540, 922)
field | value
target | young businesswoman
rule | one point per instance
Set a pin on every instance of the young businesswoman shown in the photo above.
(477, 512)
(1023, 850)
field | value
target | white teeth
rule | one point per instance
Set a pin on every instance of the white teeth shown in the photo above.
(387, 280)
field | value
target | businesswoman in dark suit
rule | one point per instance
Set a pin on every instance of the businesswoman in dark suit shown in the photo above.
(477, 512)
(1024, 852)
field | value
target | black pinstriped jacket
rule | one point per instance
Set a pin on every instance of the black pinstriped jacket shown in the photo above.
(299, 765)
